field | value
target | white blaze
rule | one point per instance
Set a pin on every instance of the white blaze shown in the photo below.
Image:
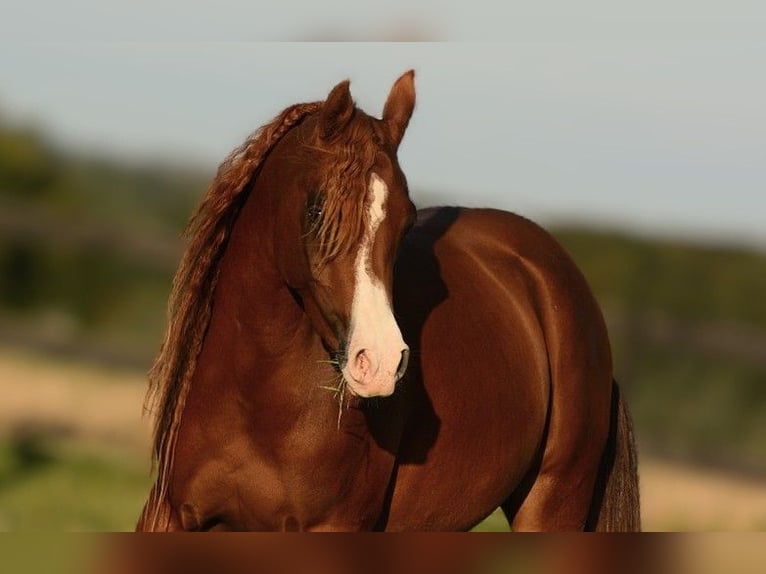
(372, 326)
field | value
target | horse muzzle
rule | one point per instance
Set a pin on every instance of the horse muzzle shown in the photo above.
(374, 370)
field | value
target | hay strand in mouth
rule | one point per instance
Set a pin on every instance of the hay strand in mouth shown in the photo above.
(339, 390)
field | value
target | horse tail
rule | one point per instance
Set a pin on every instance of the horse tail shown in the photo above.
(616, 504)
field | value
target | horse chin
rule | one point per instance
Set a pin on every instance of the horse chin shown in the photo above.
(383, 388)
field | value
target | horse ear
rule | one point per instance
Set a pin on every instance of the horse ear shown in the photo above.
(337, 111)
(399, 106)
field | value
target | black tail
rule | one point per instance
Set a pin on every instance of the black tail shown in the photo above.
(616, 504)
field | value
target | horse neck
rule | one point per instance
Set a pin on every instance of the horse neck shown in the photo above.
(253, 306)
(261, 353)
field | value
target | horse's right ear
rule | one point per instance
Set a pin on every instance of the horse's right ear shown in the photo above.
(337, 111)
(399, 106)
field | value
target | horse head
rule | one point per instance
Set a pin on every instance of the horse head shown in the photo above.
(342, 210)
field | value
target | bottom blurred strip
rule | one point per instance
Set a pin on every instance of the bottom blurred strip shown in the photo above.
(373, 554)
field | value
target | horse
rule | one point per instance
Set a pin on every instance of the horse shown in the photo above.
(337, 360)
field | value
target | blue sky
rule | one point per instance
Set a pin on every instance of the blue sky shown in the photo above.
(645, 134)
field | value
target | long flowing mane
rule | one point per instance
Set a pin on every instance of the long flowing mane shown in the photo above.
(191, 298)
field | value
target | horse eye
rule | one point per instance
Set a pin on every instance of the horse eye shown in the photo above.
(314, 211)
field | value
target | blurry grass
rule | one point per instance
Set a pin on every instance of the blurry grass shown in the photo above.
(33, 553)
(45, 486)
(495, 522)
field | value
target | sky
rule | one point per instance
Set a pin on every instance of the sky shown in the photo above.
(662, 133)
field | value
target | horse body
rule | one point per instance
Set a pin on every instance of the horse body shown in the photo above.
(507, 398)
(520, 304)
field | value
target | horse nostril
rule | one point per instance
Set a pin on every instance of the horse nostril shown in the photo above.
(362, 364)
(402, 364)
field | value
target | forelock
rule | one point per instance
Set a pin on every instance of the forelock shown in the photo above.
(344, 182)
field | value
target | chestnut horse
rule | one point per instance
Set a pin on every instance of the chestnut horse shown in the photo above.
(336, 361)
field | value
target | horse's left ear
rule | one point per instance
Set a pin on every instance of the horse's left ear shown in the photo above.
(337, 111)
(399, 106)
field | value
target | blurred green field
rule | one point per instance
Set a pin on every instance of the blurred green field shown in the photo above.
(53, 487)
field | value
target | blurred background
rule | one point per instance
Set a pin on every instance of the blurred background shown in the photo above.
(645, 156)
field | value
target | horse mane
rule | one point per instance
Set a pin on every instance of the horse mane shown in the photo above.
(191, 298)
